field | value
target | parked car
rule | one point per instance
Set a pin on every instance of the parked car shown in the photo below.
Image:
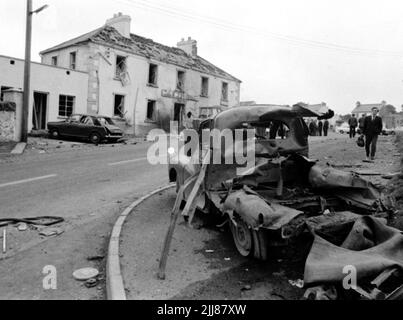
(343, 128)
(90, 127)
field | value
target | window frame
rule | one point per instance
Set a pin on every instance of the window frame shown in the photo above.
(205, 93)
(178, 87)
(73, 65)
(122, 114)
(124, 61)
(65, 113)
(154, 118)
(155, 67)
(54, 61)
(226, 86)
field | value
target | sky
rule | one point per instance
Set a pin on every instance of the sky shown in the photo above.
(314, 51)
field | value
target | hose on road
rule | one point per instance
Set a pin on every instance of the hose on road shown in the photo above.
(40, 221)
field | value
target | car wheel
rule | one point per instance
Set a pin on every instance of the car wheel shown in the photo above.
(260, 244)
(54, 134)
(243, 237)
(95, 138)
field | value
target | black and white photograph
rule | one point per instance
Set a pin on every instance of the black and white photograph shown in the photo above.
(208, 153)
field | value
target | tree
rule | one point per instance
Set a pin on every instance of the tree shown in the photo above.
(387, 110)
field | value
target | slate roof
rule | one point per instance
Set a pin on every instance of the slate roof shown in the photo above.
(138, 45)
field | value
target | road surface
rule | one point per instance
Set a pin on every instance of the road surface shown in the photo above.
(88, 187)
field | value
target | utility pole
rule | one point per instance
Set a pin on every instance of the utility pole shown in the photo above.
(27, 74)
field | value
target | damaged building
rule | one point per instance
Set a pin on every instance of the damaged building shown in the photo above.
(143, 82)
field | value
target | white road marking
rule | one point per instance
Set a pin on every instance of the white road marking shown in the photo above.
(127, 161)
(27, 180)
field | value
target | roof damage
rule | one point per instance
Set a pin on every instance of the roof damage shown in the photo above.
(147, 48)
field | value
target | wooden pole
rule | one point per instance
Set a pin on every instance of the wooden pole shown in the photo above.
(27, 74)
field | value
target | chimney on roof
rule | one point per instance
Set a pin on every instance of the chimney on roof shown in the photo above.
(189, 46)
(121, 23)
(358, 103)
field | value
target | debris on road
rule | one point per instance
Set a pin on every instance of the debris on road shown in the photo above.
(49, 232)
(91, 283)
(296, 283)
(95, 258)
(38, 221)
(246, 288)
(85, 274)
(372, 249)
(22, 226)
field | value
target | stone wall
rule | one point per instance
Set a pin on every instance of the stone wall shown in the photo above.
(7, 121)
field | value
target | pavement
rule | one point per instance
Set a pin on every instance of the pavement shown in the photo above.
(87, 185)
(203, 264)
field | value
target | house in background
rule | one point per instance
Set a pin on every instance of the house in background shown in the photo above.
(366, 109)
(144, 82)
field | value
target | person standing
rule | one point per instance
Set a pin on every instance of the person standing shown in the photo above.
(311, 128)
(373, 127)
(320, 128)
(353, 123)
(326, 125)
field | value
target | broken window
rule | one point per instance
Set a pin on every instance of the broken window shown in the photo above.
(2, 92)
(54, 61)
(180, 84)
(119, 106)
(151, 110)
(120, 66)
(153, 74)
(73, 60)
(66, 105)
(224, 93)
(204, 87)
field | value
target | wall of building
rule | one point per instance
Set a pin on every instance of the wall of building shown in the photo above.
(100, 63)
(138, 91)
(53, 81)
(7, 121)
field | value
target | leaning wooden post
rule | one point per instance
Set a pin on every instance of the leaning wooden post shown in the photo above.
(176, 210)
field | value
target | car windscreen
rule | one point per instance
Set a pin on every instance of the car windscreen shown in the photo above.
(104, 121)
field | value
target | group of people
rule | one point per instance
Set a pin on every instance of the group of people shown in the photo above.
(318, 128)
(370, 127)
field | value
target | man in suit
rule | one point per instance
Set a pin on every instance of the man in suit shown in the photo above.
(326, 127)
(353, 123)
(320, 128)
(373, 127)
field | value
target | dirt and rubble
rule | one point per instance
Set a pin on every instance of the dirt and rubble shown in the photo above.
(204, 264)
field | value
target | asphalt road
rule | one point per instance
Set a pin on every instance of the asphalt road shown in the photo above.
(71, 184)
(88, 186)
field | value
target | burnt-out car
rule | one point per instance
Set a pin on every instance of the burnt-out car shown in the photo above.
(94, 128)
(284, 193)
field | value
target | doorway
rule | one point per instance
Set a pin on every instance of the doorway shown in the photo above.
(39, 114)
(179, 111)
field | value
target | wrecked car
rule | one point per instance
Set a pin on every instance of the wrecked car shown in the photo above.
(94, 128)
(284, 193)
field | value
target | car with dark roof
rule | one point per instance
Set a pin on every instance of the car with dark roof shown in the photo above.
(94, 128)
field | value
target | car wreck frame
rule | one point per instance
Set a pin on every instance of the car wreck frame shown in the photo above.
(284, 194)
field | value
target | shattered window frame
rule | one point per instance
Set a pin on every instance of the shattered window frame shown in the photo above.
(205, 81)
(73, 60)
(54, 61)
(119, 110)
(2, 90)
(151, 111)
(180, 81)
(153, 74)
(224, 92)
(66, 105)
(121, 66)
